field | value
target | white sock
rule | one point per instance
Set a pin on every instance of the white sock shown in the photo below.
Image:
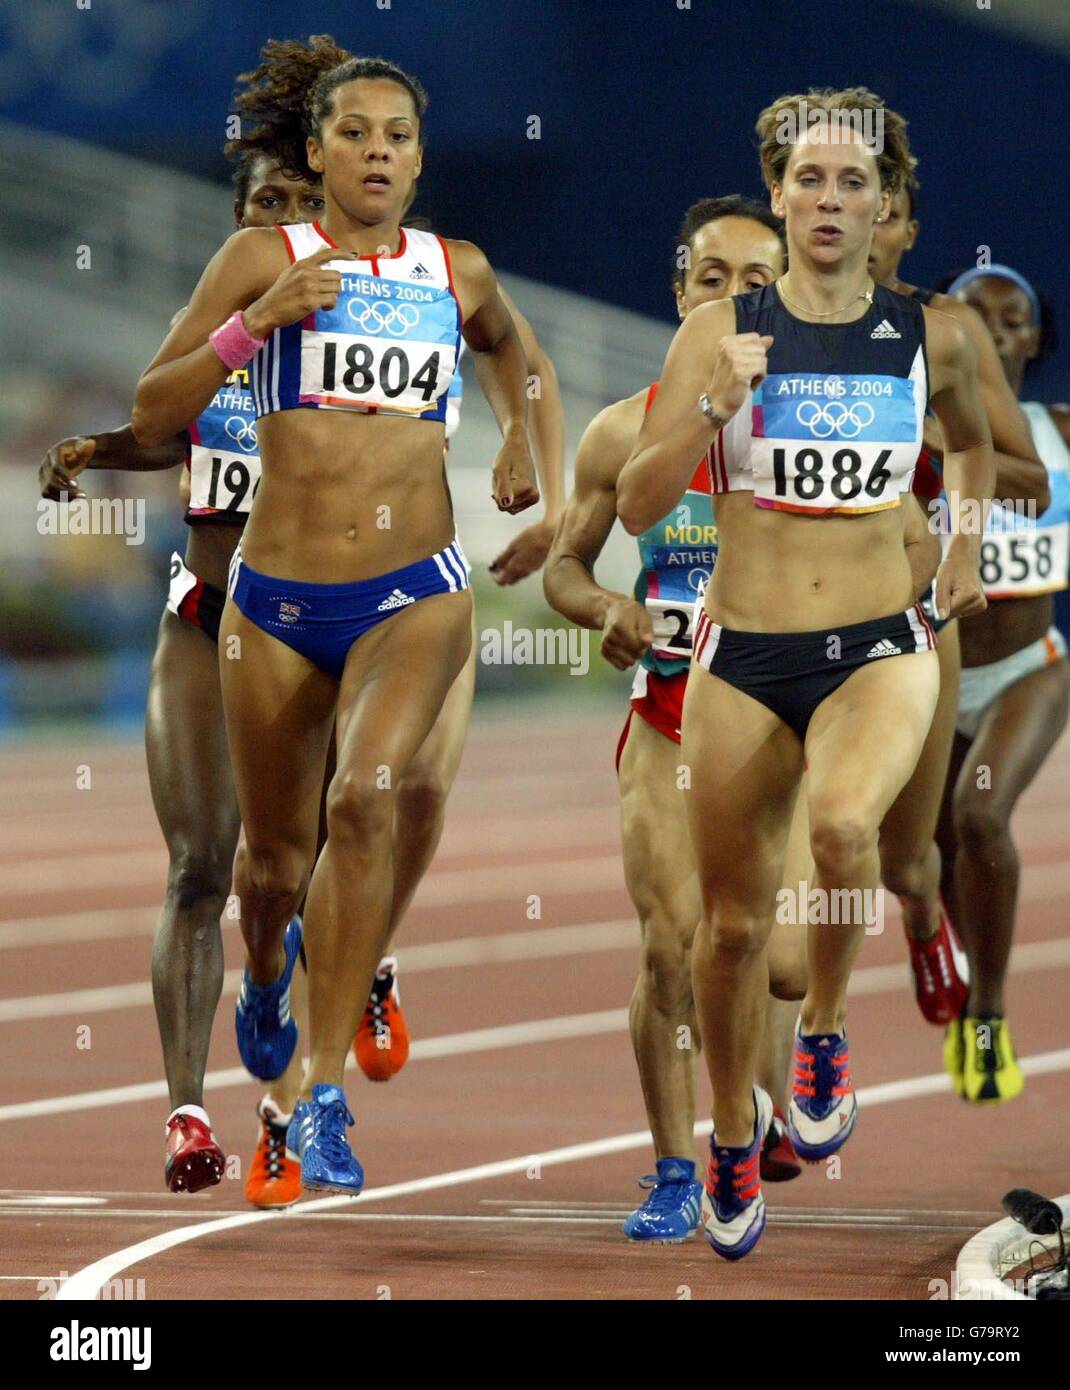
(194, 1110)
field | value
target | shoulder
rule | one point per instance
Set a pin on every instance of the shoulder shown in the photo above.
(950, 335)
(255, 248)
(467, 258)
(609, 440)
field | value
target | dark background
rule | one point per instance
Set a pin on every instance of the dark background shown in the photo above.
(644, 107)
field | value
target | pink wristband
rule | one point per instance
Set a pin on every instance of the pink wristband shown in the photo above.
(232, 342)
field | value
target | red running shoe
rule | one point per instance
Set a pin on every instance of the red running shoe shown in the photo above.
(779, 1161)
(194, 1159)
(381, 1046)
(941, 973)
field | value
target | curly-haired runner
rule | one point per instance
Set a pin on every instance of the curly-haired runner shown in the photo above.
(349, 596)
(810, 646)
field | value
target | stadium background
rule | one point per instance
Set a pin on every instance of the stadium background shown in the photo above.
(112, 119)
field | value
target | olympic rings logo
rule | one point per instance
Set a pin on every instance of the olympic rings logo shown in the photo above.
(835, 417)
(243, 432)
(397, 319)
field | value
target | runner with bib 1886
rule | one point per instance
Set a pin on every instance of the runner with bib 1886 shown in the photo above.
(818, 384)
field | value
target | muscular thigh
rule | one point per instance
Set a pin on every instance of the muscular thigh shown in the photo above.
(396, 682)
(439, 756)
(186, 742)
(744, 766)
(1016, 734)
(659, 864)
(910, 823)
(279, 711)
(865, 739)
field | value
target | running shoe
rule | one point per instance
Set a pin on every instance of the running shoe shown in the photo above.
(823, 1108)
(990, 1073)
(194, 1159)
(317, 1135)
(266, 1033)
(779, 1161)
(381, 1046)
(275, 1175)
(671, 1213)
(941, 973)
(955, 1055)
(733, 1208)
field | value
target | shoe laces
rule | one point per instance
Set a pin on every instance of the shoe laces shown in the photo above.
(735, 1179)
(822, 1073)
(330, 1130)
(273, 1147)
(664, 1194)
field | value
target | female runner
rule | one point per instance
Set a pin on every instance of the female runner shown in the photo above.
(1012, 705)
(910, 860)
(817, 385)
(349, 597)
(734, 245)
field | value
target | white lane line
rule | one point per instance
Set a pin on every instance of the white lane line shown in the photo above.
(536, 1030)
(68, 1200)
(537, 943)
(1029, 957)
(87, 1282)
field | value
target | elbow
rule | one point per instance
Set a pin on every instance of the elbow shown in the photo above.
(632, 520)
(147, 429)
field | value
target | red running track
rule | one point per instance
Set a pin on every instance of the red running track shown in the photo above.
(521, 1062)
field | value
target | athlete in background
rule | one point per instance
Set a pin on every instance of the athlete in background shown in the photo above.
(1013, 701)
(910, 860)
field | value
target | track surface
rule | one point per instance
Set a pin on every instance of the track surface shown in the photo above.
(521, 1050)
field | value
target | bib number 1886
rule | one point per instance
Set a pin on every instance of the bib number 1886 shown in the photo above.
(809, 483)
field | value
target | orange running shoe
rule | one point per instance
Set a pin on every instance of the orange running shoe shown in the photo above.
(275, 1173)
(381, 1046)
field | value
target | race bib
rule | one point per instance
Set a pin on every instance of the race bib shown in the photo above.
(674, 625)
(223, 480)
(1034, 560)
(396, 352)
(833, 443)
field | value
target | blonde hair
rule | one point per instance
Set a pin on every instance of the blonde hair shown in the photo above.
(895, 163)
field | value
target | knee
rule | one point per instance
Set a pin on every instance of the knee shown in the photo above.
(271, 872)
(422, 802)
(788, 972)
(908, 875)
(198, 879)
(838, 840)
(359, 808)
(734, 930)
(665, 967)
(979, 826)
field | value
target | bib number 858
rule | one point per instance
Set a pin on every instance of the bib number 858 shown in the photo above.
(846, 482)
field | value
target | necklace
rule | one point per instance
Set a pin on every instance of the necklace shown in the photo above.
(866, 294)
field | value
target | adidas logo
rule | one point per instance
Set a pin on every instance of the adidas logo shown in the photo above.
(885, 330)
(421, 272)
(398, 600)
(884, 648)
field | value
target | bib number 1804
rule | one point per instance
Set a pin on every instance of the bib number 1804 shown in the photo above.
(846, 482)
(361, 373)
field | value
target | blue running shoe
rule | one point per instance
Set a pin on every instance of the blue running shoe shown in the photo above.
(733, 1208)
(317, 1135)
(266, 1033)
(823, 1107)
(671, 1212)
